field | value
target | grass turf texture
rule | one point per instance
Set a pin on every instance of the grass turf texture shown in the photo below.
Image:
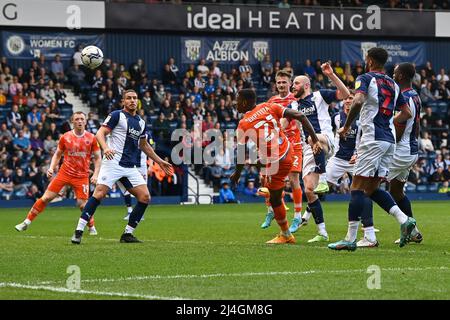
(219, 252)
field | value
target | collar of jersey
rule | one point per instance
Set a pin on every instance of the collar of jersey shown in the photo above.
(73, 131)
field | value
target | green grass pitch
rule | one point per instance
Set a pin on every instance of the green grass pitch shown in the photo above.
(219, 252)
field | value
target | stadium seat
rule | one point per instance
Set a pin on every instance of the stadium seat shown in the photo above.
(433, 187)
(421, 188)
(410, 188)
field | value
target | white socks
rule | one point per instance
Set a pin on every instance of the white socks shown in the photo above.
(398, 214)
(369, 234)
(322, 230)
(323, 178)
(129, 209)
(307, 214)
(27, 221)
(352, 232)
(129, 229)
(81, 224)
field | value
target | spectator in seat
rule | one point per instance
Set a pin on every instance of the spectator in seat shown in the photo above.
(34, 117)
(92, 124)
(250, 189)
(2, 98)
(22, 145)
(15, 87)
(21, 101)
(6, 184)
(442, 76)
(444, 188)
(266, 65)
(442, 93)
(173, 67)
(36, 142)
(147, 103)
(203, 68)
(226, 195)
(20, 183)
(57, 69)
(425, 143)
(168, 77)
(53, 131)
(15, 118)
(49, 144)
(216, 70)
(31, 100)
(60, 94)
(309, 70)
(426, 94)
(77, 56)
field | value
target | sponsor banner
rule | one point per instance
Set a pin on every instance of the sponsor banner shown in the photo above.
(442, 24)
(224, 50)
(23, 45)
(399, 52)
(52, 13)
(370, 21)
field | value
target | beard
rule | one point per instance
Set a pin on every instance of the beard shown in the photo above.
(299, 93)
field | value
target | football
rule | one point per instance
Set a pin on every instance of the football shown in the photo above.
(92, 57)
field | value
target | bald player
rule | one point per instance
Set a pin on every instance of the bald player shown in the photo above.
(315, 106)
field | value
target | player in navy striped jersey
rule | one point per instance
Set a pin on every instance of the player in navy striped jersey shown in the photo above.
(315, 106)
(407, 148)
(144, 172)
(121, 160)
(377, 95)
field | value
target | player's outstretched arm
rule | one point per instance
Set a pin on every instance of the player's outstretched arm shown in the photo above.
(101, 139)
(355, 108)
(342, 91)
(55, 160)
(148, 150)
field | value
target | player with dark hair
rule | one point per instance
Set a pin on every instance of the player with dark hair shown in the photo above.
(407, 148)
(261, 125)
(77, 146)
(293, 133)
(121, 161)
(377, 95)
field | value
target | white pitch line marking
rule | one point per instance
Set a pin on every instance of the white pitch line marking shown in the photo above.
(246, 274)
(98, 293)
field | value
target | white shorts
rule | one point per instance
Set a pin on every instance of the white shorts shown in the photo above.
(336, 168)
(401, 165)
(309, 164)
(374, 159)
(111, 172)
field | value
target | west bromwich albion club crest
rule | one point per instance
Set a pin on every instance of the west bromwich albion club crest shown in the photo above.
(193, 49)
(260, 49)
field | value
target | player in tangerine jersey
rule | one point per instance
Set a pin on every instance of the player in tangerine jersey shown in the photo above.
(293, 133)
(261, 125)
(77, 146)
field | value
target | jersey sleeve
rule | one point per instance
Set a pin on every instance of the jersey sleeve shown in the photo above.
(362, 84)
(277, 110)
(95, 147)
(328, 95)
(240, 134)
(62, 143)
(336, 121)
(144, 133)
(401, 102)
(293, 105)
(112, 120)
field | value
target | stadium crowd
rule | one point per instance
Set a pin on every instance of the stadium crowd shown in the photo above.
(199, 97)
